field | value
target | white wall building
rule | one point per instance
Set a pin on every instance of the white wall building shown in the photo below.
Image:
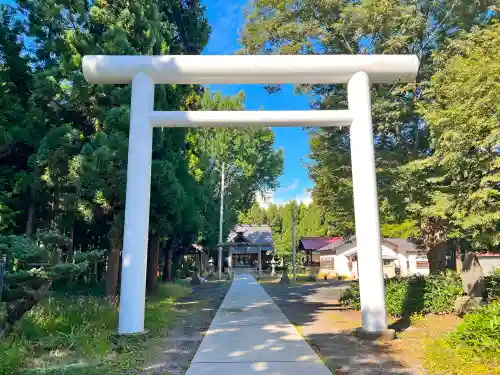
(490, 262)
(399, 256)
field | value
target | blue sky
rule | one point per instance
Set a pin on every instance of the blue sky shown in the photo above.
(226, 19)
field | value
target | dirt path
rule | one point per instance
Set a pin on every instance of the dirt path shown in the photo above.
(314, 310)
(195, 315)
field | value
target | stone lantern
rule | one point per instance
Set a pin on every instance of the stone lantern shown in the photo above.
(210, 266)
(273, 266)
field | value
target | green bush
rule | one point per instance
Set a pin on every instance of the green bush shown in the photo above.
(406, 296)
(350, 297)
(493, 287)
(480, 332)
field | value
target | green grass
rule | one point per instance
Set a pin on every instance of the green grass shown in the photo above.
(302, 278)
(77, 335)
(441, 358)
(473, 348)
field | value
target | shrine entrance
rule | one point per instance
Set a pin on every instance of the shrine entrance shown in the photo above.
(357, 71)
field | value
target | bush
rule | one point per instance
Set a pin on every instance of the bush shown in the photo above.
(350, 297)
(406, 296)
(493, 286)
(480, 332)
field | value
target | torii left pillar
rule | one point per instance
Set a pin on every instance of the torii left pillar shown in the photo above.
(135, 237)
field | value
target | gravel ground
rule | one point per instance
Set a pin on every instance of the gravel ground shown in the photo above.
(196, 312)
(314, 310)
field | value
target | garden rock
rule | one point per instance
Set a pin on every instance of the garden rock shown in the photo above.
(284, 278)
(195, 280)
(466, 304)
(472, 277)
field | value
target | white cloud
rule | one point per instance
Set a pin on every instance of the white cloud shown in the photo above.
(267, 198)
(264, 199)
(294, 185)
(305, 197)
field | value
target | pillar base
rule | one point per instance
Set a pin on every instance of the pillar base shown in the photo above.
(385, 335)
(132, 334)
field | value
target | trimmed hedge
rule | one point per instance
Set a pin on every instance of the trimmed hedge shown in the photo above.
(412, 295)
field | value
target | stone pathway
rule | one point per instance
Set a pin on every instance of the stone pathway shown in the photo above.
(250, 335)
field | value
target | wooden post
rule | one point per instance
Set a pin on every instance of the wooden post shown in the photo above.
(458, 260)
(294, 263)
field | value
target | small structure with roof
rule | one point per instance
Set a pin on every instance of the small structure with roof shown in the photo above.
(399, 256)
(249, 246)
(312, 247)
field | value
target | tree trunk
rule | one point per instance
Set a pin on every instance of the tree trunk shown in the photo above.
(71, 247)
(437, 259)
(167, 267)
(169, 263)
(16, 309)
(176, 262)
(56, 204)
(152, 270)
(30, 222)
(113, 266)
(164, 274)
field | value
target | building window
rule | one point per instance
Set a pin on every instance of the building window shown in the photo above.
(422, 264)
(387, 262)
(328, 262)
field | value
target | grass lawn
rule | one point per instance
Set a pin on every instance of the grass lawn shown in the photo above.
(77, 335)
(301, 278)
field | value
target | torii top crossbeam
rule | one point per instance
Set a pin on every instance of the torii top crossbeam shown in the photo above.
(265, 69)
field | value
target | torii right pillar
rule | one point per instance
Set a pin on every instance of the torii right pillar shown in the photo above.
(371, 277)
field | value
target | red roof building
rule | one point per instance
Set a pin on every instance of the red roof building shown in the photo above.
(312, 246)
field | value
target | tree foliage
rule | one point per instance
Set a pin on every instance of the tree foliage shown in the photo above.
(64, 142)
(462, 116)
(408, 124)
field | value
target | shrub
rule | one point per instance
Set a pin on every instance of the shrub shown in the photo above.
(406, 296)
(480, 332)
(32, 265)
(350, 297)
(493, 287)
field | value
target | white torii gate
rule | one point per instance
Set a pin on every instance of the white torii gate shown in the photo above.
(358, 71)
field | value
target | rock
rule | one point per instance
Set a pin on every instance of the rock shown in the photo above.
(465, 304)
(284, 278)
(195, 280)
(472, 276)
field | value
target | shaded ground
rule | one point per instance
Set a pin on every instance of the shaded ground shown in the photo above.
(313, 308)
(196, 312)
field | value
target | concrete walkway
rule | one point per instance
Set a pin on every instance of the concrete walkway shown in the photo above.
(250, 335)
